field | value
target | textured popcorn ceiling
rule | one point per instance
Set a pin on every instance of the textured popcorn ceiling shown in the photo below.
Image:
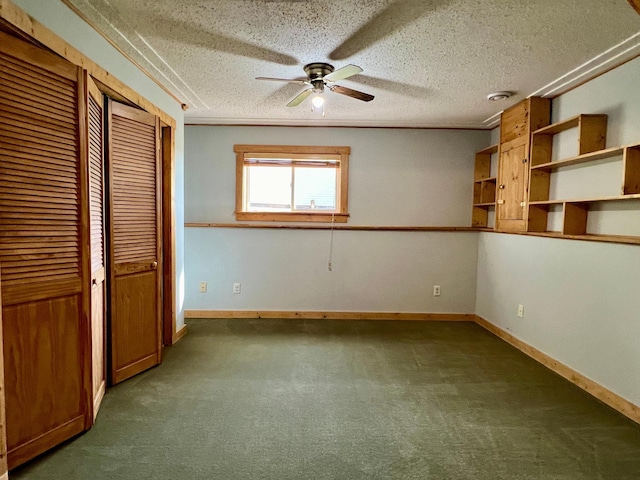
(428, 62)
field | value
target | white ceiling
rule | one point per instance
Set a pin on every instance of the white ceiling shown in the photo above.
(430, 63)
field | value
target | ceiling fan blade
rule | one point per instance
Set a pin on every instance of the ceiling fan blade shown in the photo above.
(365, 97)
(342, 73)
(300, 98)
(288, 80)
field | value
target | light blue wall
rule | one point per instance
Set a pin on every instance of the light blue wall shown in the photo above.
(581, 299)
(67, 25)
(396, 177)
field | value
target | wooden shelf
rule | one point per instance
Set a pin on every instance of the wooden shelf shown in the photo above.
(634, 196)
(567, 124)
(489, 150)
(574, 213)
(484, 186)
(590, 237)
(489, 179)
(587, 157)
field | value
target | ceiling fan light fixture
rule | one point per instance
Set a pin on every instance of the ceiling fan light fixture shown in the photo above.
(318, 101)
(497, 96)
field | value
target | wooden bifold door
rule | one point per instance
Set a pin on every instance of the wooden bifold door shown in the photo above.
(135, 247)
(65, 259)
(45, 268)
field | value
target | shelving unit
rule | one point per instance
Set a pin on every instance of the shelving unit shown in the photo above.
(484, 187)
(591, 142)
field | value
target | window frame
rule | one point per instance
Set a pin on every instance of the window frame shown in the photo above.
(338, 153)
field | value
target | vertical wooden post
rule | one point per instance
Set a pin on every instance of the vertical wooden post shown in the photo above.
(168, 234)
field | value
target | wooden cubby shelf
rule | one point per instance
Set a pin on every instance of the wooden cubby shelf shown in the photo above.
(584, 158)
(591, 147)
(588, 200)
(484, 187)
(566, 218)
(569, 123)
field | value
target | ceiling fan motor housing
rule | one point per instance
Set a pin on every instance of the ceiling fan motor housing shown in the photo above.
(316, 73)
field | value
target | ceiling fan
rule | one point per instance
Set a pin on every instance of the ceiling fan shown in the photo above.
(320, 75)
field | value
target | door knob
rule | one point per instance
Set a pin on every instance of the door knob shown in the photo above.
(154, 265)
(501, 186)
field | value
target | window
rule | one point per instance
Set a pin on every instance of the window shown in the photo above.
(284, 183)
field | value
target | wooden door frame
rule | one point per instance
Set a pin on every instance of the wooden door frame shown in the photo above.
(3, 421)
(168, 204)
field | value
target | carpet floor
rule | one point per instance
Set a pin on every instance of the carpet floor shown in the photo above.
(319, 399)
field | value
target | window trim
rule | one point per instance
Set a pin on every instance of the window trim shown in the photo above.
(255, 151)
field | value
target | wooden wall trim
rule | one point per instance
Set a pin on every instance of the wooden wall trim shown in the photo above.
(627, 240)
(291, 314)
(635, 4)
(606, 396)
(25, 23)
(371, 228)
(179, 334)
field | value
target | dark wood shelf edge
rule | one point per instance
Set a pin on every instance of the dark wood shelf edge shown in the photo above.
(487, 204)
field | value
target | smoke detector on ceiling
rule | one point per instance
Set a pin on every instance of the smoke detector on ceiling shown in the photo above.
(496, 96)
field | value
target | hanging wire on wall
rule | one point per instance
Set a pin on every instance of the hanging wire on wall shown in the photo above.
(331, 244)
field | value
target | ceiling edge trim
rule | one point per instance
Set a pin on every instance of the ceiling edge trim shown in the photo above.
(606, 61)
(261, 122)
(88, 21)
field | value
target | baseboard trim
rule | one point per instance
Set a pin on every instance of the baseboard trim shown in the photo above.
(606, 396)
(176, 336)
(289, 314)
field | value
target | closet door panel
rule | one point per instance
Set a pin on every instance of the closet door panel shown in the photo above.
(43, 374)
(97, 245)
(41, 248)
(136, 292)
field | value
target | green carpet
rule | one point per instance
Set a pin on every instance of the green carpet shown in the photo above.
(319, 399)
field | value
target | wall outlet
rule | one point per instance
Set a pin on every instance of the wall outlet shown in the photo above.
(236, 288)
(203, 287)
(520, 310)
(436, 290)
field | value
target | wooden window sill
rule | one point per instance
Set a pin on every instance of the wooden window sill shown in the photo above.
(292, 217)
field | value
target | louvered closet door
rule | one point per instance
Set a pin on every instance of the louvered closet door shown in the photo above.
(135, 245)
(97, 235)
(41, 259)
